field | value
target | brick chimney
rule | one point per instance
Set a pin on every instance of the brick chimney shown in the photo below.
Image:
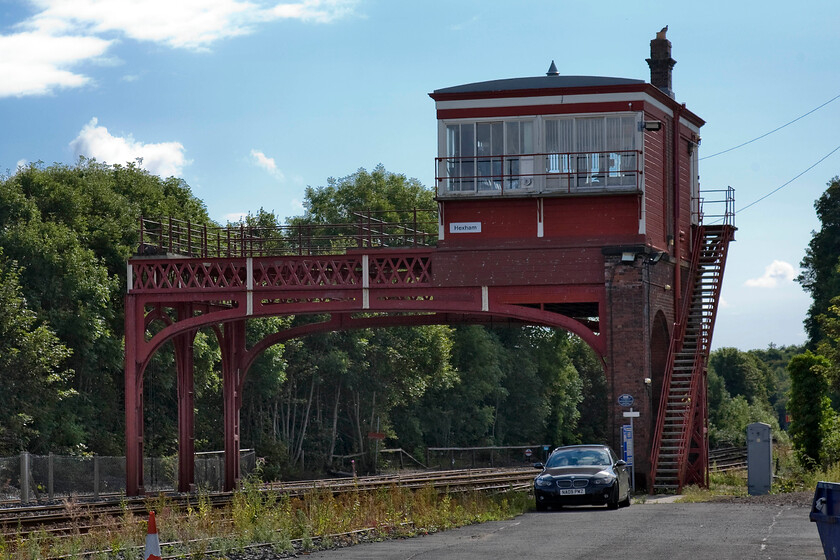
(661, 63)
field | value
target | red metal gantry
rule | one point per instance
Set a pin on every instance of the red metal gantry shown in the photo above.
(187, 292)
(569, 202)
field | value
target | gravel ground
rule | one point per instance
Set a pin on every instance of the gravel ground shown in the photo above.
(797, 499)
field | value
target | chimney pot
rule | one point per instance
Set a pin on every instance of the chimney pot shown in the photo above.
(661, 63)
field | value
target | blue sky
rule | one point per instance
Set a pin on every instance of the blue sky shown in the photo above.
(249, 102)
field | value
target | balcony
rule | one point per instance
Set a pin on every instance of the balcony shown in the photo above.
(543, 174)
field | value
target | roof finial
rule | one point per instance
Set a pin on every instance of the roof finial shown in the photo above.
(552, 70)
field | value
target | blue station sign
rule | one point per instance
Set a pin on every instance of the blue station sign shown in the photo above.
(625, 400)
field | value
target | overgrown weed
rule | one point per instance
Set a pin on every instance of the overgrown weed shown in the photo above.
(258, 516)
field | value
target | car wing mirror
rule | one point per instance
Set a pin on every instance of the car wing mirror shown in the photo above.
(621, 463)
(538, 465)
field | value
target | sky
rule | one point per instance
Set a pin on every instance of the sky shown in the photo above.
(251, 101)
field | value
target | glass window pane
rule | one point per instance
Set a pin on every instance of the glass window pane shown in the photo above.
(565, 136)
(482, 139)
(590, 134)
(527, 137)
(497, 139)
(552, 142)
(512, 134)
(467, 140)
(453, 140)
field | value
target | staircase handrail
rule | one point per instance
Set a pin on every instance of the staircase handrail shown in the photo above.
(704, 341)
(674, 347)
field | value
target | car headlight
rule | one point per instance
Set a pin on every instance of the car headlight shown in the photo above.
(603, 480)
(543, 481)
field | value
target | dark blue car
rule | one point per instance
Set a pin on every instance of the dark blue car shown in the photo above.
(580, 475)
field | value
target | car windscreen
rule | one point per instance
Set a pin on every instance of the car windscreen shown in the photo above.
(579, 458)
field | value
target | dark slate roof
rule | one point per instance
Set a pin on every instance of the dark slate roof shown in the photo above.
(539, 82)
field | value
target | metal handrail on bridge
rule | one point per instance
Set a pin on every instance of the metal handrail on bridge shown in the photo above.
(371, 229)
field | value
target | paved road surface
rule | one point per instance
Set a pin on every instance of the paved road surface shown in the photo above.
(650, 531)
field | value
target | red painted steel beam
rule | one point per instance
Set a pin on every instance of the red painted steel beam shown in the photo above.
(184, 366)
(133, 398)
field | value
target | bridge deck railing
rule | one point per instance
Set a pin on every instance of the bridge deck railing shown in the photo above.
(369, 229)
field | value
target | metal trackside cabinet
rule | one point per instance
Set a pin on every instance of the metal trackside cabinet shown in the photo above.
(759, 459)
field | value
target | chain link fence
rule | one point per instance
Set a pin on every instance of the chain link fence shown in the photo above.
(30, 477)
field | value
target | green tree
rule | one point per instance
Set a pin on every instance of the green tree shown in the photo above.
(743, 374)
(392, 195)
(34, 377)
(819, 274)
(809, 407)
(72, 228)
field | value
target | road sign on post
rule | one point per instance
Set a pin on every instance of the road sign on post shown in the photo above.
(627, 437)
(627, 444)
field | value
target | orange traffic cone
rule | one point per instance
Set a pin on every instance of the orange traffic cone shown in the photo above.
(152, 541)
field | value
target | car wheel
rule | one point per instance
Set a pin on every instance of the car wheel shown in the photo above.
(626, 501)
(613, 502)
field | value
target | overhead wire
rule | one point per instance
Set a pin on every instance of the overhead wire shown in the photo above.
(774, 130)
(777, 189)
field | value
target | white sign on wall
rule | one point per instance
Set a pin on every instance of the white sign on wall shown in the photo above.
(465, 227)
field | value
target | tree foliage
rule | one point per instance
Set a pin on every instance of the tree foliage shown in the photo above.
(810, 407)
(71, 229)
(819, 274)
(34, 377)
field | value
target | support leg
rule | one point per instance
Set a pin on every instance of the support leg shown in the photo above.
(134, 330)
(233, 350)
(186, 407)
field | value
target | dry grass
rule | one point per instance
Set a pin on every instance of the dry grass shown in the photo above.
(261, 517)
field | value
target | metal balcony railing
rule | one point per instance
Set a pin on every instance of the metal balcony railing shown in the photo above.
(548, 173)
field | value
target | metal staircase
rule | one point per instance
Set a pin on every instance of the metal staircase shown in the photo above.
(679, 454)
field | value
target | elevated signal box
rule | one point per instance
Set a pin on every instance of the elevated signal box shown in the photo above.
(580, 196)
(568, 202)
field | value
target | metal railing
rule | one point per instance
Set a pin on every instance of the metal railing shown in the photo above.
(554, 173)
(370, 229)
(486, 457)
(29, 477)
(715, 207)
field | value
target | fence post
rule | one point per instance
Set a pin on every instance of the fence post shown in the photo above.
(24, 477)
(96, 476)
(220, 467)
(51, 476)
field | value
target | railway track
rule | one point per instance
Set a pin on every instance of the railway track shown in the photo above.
(728, 459)
(68, 516)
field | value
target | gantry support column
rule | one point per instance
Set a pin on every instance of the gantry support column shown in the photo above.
(184, 364)
(233, 354)
(134, 333)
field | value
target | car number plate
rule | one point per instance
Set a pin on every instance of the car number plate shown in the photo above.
(572, 491)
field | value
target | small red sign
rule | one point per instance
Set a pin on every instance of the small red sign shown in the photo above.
(376, 435)
(528, 452)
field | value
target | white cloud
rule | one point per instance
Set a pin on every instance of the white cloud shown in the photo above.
(165, 159)
(65, 33)
(723, 304)
(267, 163)
(235, 216)
(37, 63)
(190, 24)
(777, 271)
